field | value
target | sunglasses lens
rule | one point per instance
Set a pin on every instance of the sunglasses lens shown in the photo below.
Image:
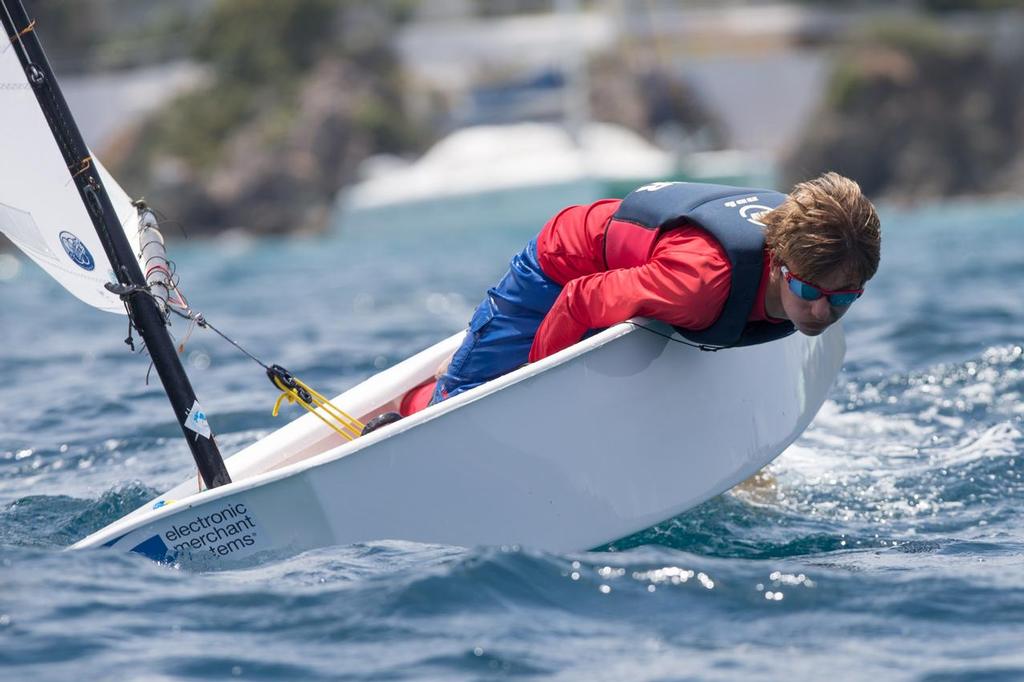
(803, 290)
(842, 300)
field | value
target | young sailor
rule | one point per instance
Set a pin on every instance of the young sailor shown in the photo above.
(726, 266)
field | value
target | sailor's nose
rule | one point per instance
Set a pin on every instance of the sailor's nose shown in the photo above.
(821, 310)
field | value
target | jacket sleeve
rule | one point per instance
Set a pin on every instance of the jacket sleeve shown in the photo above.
(685, 283)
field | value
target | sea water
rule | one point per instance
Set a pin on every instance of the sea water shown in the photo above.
(886, 543)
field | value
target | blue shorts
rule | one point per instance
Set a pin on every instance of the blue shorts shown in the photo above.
(501, 331)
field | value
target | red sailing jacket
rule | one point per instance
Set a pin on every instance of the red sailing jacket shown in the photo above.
(685, 282)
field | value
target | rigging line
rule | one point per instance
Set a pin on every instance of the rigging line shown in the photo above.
(16, 36)
(203, 322)
(188, 335)
(165, 219)
(180, 300)
(699, 346)
(28, 29)
(83, 165)
(293, 390)
(129, 341)
(347, 430)
(158, 266)
(173, 281)
(55, 113)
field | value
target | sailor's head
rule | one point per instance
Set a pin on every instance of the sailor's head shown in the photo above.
(825, 242)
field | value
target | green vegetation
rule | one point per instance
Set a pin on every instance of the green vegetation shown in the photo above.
(268, 44)
(257, 59)
(94, 35)
(890, 53)
(969, 5)
(298, 92)
(914, 110)
(936, 6)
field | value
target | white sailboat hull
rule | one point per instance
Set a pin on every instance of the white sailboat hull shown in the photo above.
(604, 439)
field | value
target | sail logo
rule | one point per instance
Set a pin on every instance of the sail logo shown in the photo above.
(77, 251)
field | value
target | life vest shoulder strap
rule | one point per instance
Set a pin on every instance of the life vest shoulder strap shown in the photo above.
(728, 214)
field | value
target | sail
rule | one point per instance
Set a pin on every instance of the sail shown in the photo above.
(41, 211)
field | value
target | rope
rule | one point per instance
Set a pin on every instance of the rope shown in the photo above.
(28, 29)
(292, 389)
(699, 346)
(295, 391)
(188, 335)
(202, 322)
(83, 165)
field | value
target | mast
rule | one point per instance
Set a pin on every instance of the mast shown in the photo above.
(145, 315)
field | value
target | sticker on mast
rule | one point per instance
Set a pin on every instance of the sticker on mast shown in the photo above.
(196, 421)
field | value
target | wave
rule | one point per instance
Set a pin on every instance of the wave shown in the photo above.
(58, 520)
(887, 460)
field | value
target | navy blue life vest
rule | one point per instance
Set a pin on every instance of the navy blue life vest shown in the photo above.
(729, 214)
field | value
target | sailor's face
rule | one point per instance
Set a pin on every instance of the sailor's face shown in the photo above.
(814, 317)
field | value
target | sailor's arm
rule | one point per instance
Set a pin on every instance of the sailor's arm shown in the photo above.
(685, 283)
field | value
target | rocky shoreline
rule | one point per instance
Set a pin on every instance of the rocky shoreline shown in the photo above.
(916, 113)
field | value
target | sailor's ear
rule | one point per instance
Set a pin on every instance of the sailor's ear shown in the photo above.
(774, 267)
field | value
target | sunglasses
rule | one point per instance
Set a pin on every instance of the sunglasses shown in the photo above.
(812, 292)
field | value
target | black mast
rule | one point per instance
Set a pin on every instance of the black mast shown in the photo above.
(145, 315)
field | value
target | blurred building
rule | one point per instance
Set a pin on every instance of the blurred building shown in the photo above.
(733, 54)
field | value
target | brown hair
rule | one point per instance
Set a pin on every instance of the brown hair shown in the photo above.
(824, 225)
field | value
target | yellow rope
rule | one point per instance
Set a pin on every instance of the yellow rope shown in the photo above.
(28, 29)
(338, 414)
(344, 424)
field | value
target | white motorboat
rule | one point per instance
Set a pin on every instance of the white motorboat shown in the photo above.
(514, 175)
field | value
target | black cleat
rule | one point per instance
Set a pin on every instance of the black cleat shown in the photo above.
(379, 421)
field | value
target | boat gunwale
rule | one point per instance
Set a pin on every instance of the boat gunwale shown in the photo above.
(141, 517)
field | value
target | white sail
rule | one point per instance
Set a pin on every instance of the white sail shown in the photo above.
(41, 211)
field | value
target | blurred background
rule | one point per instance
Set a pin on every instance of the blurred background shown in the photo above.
(306, 116)
(414, 146)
